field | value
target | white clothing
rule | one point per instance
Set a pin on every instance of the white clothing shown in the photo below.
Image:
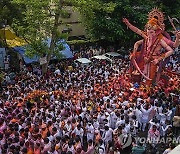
(113, 120)
(107, 135)
(71, 149)
(145, 114)
(96, 125)
(90, 132)
(162, 118)
(119, 123)
(101, 149)
(78, 132)
(138, 114)
(164, 129)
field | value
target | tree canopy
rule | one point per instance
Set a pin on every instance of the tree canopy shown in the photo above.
(103, 18)
(37, 20)
(9, 11)
(40, 22)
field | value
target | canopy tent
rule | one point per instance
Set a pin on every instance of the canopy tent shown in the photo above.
(102, 57)
(66, 52)
(11, 38)
(19, 44)
(27, 60)
(112, 54)
(83, 60)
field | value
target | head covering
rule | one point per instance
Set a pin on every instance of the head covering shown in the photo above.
(156, 19)
(153, 21)
(153, 24)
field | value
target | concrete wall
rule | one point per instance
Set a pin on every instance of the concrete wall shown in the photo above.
(74, 23)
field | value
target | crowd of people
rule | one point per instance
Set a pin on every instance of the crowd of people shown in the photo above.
(89, 52)
(85, 110)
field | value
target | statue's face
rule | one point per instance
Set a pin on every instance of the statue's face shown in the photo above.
(151, 29)
(151, 32)
(150, 26)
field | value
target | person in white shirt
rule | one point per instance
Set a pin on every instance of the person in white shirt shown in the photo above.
(158, 111)
(108, 134)
(134, 125)
(113, 119)
(100, 119)
(164, 128)
(107, 117)
(138, 114)
(120, 121)
(78, 131)
(163, 117)
(145, 116)
(71, 147)
(101, 148)
(169, 114)
(127, 127)
(154, 122)
(57, 71)
(68, 128)
(47, 145)
(96, 124)
(90, 131)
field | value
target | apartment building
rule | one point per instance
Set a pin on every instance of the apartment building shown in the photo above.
(72, 24)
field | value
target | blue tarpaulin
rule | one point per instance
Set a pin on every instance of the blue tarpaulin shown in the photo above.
(27, 60)
(67, 53)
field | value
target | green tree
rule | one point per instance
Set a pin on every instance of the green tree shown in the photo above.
(103, 18)
(169, 8)
(9, 11)
(41, 21)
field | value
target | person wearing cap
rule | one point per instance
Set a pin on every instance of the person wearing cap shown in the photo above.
(145, 118)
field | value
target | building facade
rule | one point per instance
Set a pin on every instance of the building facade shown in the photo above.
(71, 23)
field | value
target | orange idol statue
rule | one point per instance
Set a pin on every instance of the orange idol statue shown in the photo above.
(156, 46)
